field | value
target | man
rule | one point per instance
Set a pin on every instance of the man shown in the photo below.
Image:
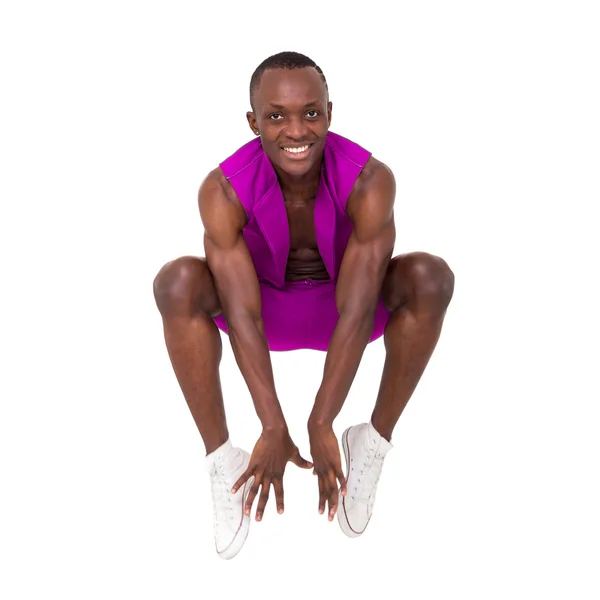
(299, 235)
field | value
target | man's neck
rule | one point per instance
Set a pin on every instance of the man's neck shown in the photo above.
(300, 186)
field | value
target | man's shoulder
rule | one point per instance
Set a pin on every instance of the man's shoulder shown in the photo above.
(216, 177)
(376, 180)
(375, 188)
(245, 156)
(340, 147)
(216, 182)
(217, 200)
(375, 174)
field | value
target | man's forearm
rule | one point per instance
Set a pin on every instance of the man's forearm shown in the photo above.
(251, 351)
(346, 348)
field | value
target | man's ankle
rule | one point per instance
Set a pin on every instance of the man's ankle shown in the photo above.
(218, 444)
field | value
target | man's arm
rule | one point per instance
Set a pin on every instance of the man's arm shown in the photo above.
(363, 268)
(237, 287)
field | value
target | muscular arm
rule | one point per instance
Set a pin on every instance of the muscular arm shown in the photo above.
(237, 287)
(362, 271)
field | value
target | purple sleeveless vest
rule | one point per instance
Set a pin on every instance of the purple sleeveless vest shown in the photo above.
(267, 233)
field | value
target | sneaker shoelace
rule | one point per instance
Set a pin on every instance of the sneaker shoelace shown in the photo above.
(221, 485)
(367, 476)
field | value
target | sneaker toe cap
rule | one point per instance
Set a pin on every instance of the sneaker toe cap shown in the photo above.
(356, 515)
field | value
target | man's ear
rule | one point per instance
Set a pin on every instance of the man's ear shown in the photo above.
(329, 106)
(252, 122)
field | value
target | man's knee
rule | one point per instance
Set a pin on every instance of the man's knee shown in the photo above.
(432, 279)
(184, 283)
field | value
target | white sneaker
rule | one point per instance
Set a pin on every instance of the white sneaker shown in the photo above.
(364, 451)
(225, 465)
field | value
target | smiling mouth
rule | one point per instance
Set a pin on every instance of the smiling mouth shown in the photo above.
(297, 152)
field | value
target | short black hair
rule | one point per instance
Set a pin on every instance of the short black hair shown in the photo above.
(282, 60)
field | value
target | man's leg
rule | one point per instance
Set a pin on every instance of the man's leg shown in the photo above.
(187, 300)
(417, 289)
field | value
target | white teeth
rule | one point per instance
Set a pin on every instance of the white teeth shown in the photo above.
(296, 150)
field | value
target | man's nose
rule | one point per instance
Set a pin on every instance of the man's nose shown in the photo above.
(297, 128)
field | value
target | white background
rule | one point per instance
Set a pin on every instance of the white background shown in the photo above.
(113, 112)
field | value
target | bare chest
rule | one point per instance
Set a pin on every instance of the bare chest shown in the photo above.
(304, 259)
(301, 220)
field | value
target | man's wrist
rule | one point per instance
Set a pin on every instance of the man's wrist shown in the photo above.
(316, 422)
(274, 425)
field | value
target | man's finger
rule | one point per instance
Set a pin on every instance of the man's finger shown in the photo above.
(333, 503)
(264, 497)
(331, 481)
(322, 495)
(240, 482)
(252, 494)
(332, 493)
(301, 462)
(278, 485)
(343, 484)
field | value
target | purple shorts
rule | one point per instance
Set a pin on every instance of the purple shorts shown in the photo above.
(303, 315)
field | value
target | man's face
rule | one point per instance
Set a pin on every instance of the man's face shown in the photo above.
(291, 111)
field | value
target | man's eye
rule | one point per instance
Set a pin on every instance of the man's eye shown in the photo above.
(274, 115)
(316, 113)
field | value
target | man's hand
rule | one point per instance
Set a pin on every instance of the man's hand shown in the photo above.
(328, 468)
(267, 464)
